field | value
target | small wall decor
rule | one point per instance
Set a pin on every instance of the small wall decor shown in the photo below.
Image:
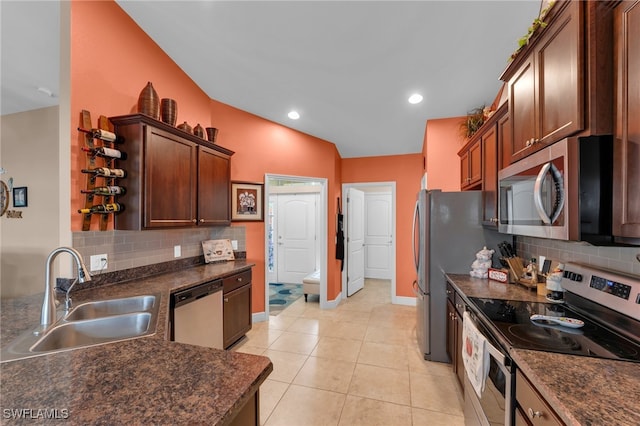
(215, 250)
(20, 196)
(247, 201)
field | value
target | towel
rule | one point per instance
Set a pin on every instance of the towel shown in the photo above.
(474, 354)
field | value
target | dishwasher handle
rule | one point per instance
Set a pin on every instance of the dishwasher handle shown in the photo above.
(192, 294)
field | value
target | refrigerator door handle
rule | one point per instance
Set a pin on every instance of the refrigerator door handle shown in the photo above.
(416, 290)
(413, 238)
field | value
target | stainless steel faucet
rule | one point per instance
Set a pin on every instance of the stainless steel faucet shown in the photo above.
(48, 314)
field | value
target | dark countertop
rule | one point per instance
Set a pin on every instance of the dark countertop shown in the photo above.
(582, 390)
(143, 380)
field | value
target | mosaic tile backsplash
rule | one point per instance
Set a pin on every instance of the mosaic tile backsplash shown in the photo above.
(132, 249)
(623, 259)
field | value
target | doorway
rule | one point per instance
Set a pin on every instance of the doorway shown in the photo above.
(295, 231)
(371, 244)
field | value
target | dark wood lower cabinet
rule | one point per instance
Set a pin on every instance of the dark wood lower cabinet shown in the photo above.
(249, 415)
(455, 310)
(236, 307)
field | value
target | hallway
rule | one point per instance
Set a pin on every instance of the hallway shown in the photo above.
(357, 364)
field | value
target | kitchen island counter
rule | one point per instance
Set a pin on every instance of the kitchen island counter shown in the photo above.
(582, 390)
(148, 380)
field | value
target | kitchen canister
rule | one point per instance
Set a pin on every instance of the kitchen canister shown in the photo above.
(198, 131)
(169, 111)
(149, 102)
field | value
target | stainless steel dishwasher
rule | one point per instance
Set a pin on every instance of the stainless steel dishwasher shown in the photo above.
(197, 315)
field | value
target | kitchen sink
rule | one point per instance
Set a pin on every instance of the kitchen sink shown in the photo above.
(94, 331)
(90, 324)
(104, 308)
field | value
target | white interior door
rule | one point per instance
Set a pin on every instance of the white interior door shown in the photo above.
(296, 236)
(378, 235)
(355, 241)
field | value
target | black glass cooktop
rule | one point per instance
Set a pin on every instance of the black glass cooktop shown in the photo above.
(512, 319)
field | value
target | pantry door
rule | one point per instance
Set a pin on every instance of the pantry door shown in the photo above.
(378, 235)
(296, 236)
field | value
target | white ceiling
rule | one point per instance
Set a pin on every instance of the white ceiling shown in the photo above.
(347, 67)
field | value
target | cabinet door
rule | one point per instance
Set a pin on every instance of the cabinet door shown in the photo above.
(451, 333)
(490, 178)
(559, 64)
(237, 314)
(214, 187)
(505, 144)
(522, 110)
(464, 170)
(169, 180)
(475, 163)
(626, 169)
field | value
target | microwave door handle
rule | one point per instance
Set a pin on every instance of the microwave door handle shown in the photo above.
(413, 233)
(558, 183)
(537, 194)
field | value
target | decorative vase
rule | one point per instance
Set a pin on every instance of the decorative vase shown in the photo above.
(149, 102)
(198, 131)
(169, 111)
(185, 127)
(212, 132)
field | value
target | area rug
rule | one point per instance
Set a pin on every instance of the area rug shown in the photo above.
(282, 295)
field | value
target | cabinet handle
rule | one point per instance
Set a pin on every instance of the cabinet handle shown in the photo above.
(534, 414)
(449, 292)
(226, 300)
(201, 220)
(239, 279)
(194, 221)
(494, 220)
(459, 306)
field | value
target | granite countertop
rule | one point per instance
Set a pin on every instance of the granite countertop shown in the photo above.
(582, 390)
(143, 380)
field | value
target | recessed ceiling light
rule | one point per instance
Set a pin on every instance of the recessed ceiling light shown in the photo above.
(293, 115)
(415, 98)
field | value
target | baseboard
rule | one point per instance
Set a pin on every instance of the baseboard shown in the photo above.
(403, 300)
(332, 304)
(258, 317)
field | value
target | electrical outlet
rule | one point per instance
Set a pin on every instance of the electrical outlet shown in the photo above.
(234, 244)
(99, 262)
(177, 251)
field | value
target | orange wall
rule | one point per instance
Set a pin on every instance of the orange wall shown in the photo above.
(406, 171)
(262, 146)
(112, 60)
(102, 30)
(442, 141)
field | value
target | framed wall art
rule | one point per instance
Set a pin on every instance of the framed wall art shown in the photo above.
(247, 201)
(20, 196)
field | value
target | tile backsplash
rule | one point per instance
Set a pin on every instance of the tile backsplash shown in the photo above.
(132, 249)
(621, 259)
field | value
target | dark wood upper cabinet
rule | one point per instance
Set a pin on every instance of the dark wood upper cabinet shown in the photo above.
(471, 165)
(174, 179)
(626, 171)
(560, 84)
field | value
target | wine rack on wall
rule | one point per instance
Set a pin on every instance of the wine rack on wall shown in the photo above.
(101, 171)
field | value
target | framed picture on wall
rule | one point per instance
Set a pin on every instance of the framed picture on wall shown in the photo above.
(20, 196)
(247, 201)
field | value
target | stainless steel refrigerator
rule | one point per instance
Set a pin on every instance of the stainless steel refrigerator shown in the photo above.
(447, 234)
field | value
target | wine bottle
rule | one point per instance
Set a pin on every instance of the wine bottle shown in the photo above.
(101, 151)
(106, 172)
(103, 208)
(106, 190)
(103, 135)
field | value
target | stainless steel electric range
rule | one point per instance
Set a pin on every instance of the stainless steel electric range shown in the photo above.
(605, 306)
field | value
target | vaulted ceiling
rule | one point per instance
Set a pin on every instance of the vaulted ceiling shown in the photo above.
(347, 67)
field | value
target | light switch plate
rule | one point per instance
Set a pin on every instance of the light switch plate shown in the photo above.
(177, 251)
(99, 262)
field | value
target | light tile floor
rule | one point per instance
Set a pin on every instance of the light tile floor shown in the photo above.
(357, 364)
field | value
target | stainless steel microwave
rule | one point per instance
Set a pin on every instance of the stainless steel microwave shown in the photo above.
(562, 192)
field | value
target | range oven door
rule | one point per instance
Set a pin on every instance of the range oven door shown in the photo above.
(495, 404)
